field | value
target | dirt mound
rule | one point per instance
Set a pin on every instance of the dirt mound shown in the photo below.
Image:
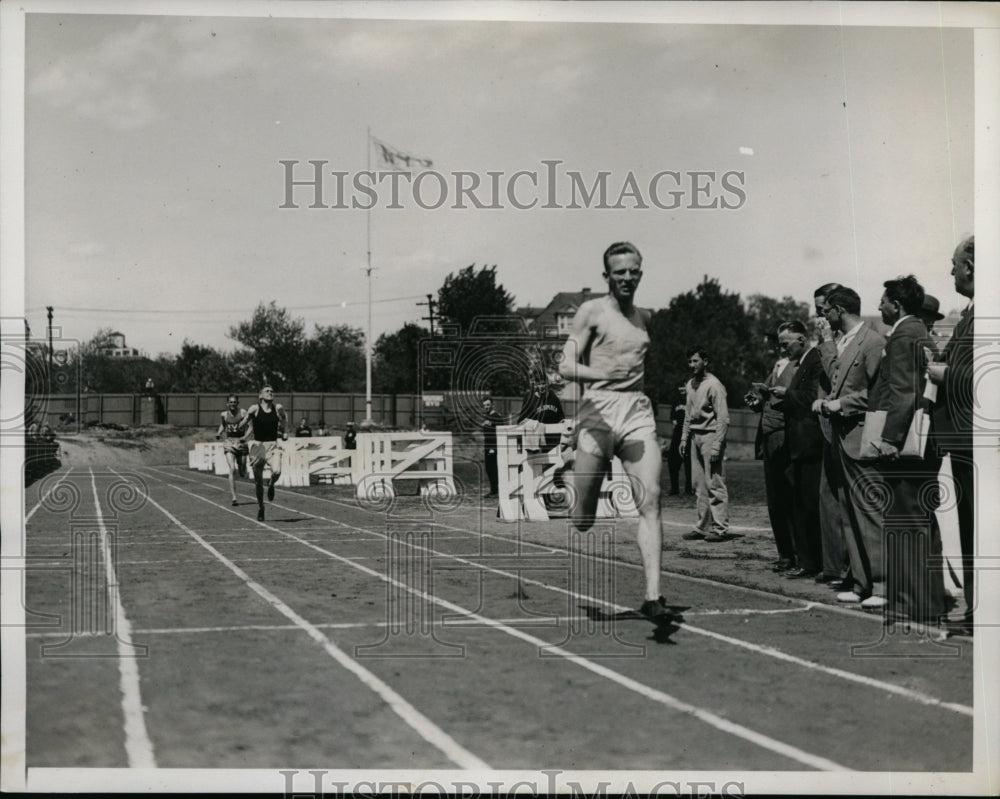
(152, 445)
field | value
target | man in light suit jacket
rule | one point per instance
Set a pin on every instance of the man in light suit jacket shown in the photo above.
(805, 446)
(853, 373)
(953, 416)
(914, 580)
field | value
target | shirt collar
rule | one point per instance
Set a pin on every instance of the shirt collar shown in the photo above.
(898, 321)
(853, 331)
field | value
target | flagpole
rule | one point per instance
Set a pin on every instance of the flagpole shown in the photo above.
(368, 337)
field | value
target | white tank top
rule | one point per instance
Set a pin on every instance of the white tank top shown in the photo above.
(617, 341)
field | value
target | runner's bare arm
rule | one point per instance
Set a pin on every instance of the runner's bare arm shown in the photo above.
(222, 425)
(246, 421)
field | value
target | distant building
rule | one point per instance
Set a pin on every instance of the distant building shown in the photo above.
(118, 349)
(555, 320)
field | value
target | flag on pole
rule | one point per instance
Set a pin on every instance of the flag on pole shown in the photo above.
(394, 158)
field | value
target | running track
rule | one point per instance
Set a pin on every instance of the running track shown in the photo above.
(336, 636)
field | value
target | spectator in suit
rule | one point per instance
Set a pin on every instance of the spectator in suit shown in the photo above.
(953, 417)
(706, 422)
(674, 458)
(771, 447)
(542, 404)
(350, 437)
(835, 560)
(303, 430)
(858, 351)
(804, 441)
(914, 583)
(490, 421)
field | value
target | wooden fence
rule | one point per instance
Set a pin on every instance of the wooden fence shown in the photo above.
(404, 411)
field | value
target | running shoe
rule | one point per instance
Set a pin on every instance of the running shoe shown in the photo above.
(270, 491)
(654, 608)
(260, 514)
(235, 503)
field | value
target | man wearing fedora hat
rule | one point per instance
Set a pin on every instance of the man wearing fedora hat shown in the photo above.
(930, 315)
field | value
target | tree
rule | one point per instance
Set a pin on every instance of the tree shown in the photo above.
(710, 317)
(335, 359)
(766, 314)
(201, 368)
(486, 361)
(468, 294)
(397, 360)
(277, 343)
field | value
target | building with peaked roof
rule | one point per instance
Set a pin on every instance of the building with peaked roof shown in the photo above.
(118, 349)
(555, 319)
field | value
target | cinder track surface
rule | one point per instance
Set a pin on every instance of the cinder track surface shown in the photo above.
(343, 636)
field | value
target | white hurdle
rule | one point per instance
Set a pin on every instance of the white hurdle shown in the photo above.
(531, 487)
(380, 460)
(385, 458)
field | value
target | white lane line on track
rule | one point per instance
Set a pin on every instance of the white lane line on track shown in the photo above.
(759, 649)
(541, 621)
(424, 727)
(42, 500)
(705, 716)
(138, 747)
(330, 625)
(474, 534)
(854, 613)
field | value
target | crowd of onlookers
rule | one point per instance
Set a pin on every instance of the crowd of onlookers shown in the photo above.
(41, 452)
(854, 429)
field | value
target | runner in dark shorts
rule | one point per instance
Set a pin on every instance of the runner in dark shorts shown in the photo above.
(266, 422)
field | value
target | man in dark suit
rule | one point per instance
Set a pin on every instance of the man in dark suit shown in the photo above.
(772, 448)
(805, 445)
(853, 372)
(914, 581)
(835, 560)
(953, 416)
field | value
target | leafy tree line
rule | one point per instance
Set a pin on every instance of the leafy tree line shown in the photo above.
(490, 353)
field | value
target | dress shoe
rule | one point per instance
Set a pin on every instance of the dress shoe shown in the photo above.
(842, 585)
(782, 565)
(716, 538)
(694, 535)
(800, 574)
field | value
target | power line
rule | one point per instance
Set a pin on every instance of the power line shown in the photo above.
(344, 304)
(430, 311)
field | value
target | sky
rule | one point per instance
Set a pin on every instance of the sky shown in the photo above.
(154, 144)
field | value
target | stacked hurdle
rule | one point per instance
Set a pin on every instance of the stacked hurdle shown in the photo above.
(380, 461)
(205, 457)
(527, 477)
(322, 458)
(386, 459)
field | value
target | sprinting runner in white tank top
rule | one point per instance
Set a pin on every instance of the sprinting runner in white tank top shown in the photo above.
(606, 352)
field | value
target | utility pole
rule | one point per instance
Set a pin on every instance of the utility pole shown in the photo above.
(430, 311)
(48, 309)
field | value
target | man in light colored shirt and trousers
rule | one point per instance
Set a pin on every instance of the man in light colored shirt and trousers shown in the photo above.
(706, 422)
